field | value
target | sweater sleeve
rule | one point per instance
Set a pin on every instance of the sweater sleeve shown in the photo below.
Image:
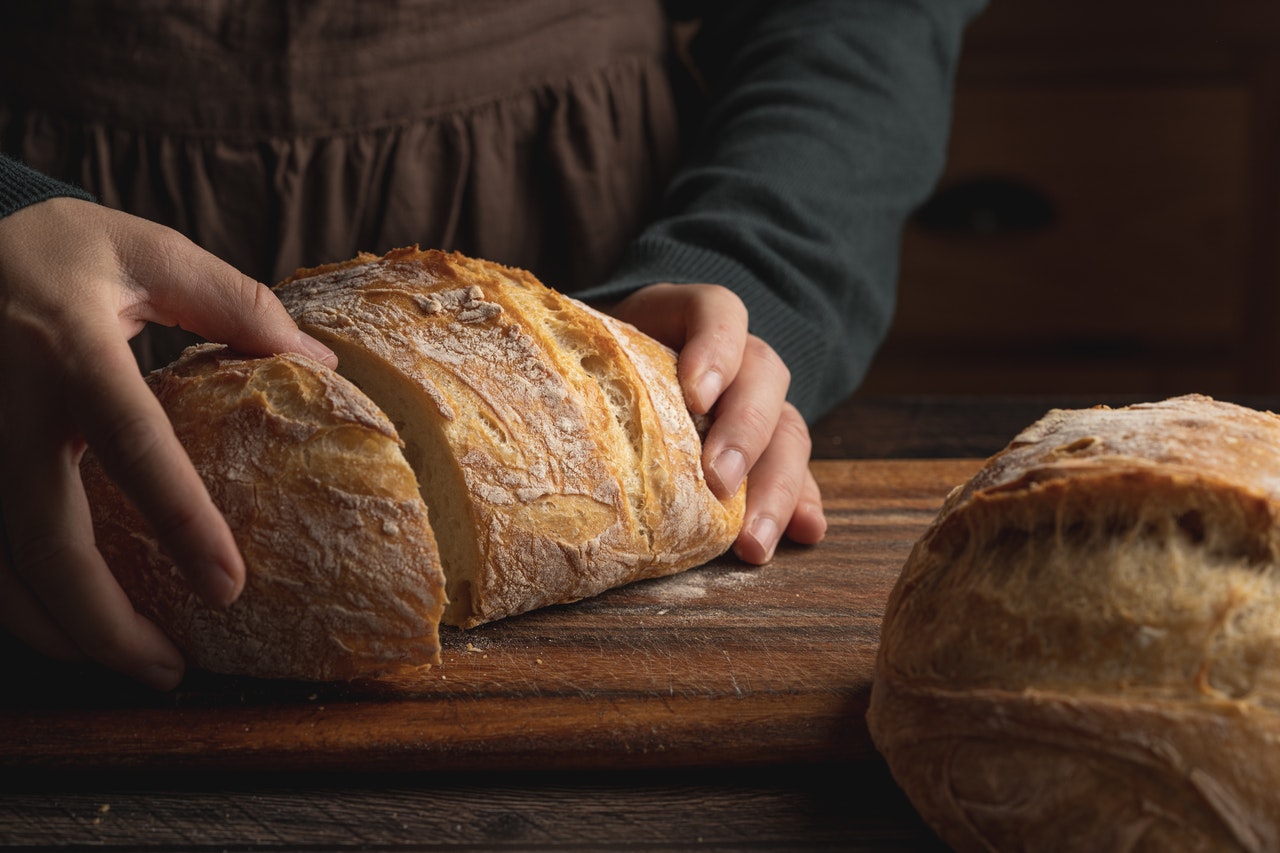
(21, 186)
(826, 125)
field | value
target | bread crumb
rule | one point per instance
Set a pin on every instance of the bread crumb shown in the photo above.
(104, 808)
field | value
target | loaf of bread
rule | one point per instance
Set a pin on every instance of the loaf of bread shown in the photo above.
(1083, 649)
(485, 429)
(552, 443)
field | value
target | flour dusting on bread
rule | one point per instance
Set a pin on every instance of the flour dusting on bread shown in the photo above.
(1091, 626)
(552, 442)
(490, 447)
(343, 576)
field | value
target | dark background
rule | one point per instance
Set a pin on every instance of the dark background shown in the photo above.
(1109, 220)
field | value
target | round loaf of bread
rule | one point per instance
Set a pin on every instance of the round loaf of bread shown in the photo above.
(343, 575)
(1083, 649)
(552, 443)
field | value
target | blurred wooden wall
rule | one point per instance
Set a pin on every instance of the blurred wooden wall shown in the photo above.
(1109, 221)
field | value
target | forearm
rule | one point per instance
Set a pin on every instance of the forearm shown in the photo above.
(827, 125)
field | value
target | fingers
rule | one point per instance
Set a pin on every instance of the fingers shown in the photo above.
(59, 596)
(757, 431)
(76, 280)
(706, 323)
(720, 365)
(756, 434)
(29, 621)
(184, 285)
(782, 497)
(809, 522)
(78, 609)
(747, 416)
(131, 436)
(713, 353)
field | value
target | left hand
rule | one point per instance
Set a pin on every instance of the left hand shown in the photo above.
(756, 431)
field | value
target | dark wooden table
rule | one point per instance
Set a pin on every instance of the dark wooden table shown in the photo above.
(747, 734)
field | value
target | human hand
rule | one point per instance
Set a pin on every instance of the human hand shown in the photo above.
(756, 430)
(76, 282)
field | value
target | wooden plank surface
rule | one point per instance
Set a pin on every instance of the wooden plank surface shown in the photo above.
(727, 665)
(785, 808)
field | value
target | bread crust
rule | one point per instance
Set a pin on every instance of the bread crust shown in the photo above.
(511, 449)
(1083, 649)
(553, 442)
(343, 577)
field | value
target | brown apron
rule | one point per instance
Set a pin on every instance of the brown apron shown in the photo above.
(537, 133)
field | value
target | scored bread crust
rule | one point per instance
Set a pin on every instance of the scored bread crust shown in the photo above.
(551, 442)
(1083, 649)
(343, 576)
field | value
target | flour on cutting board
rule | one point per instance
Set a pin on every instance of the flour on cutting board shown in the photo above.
(690, 585)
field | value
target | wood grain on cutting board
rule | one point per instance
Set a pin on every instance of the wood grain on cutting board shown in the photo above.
(728, 664)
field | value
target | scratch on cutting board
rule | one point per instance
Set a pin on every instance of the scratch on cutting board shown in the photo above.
(732, 679)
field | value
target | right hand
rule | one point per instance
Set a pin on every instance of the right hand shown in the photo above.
(77, 280)
(726, 369)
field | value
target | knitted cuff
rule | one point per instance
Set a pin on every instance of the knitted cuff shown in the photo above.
(22, 186)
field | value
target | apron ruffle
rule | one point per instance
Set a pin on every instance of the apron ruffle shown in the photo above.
(538, 134)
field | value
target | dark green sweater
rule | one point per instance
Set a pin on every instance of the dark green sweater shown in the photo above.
(828, 125)
(825, 125)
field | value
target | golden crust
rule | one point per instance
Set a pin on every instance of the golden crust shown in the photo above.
(552, 442)
(1085, 644)
(343, 581)
(550, 445)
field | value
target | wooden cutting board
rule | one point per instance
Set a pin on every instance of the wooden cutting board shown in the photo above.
(727, 664)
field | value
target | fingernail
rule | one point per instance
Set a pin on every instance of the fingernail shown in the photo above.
(160, 676)
(729, 468)
(765, 531)
(817, 512)
(708, 388)
(218, 586)
(317, 350)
